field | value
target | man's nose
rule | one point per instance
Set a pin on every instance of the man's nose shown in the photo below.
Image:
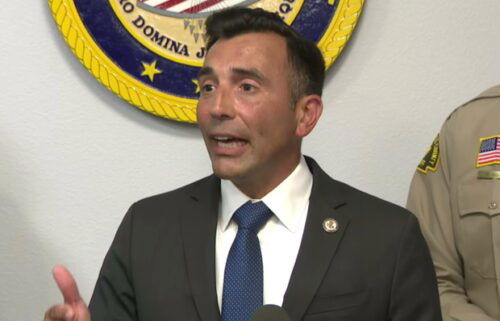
(223, 107)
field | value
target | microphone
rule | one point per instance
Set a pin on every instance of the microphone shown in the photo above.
(270, 312)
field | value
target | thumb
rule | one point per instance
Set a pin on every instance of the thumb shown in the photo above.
(66, 284)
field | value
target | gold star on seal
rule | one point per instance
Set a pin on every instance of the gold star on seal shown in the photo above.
(150, 70)
(195, 81)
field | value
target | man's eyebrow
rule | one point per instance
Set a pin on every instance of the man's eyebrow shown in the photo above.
(242, 72)
(205, 71)
(252, 73)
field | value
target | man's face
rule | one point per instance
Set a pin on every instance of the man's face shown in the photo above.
(244, 111)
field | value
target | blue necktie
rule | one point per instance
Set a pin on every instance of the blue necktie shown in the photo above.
(243, 275)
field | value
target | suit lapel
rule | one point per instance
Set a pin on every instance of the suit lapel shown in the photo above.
(318, 246)
(198, 225)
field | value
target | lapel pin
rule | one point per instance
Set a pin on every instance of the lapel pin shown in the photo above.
(330, 225)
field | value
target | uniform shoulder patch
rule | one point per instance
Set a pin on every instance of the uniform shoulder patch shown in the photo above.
(431, 158)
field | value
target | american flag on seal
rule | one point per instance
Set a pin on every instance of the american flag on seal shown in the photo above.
(190, 6)
(489, 151)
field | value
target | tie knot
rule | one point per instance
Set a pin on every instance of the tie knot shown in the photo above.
(252, 216)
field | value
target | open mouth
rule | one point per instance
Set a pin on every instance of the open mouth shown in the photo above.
(229, 141)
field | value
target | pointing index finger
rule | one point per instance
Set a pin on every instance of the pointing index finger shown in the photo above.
(66, 284)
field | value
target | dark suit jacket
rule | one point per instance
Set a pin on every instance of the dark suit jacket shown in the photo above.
(161, 265)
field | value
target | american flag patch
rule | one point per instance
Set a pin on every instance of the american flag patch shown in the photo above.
(489, 151)
(190, 6)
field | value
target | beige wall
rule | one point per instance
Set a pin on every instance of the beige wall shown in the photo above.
(73, 157)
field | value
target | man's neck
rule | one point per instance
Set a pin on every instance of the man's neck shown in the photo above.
(260, 187)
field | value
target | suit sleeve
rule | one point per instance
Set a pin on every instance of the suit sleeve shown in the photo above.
(429, 199)
(414, 294)
(113, 297)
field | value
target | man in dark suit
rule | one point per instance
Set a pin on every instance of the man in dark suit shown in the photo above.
(326, 251)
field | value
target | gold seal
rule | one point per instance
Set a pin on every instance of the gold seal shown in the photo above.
(148, 52)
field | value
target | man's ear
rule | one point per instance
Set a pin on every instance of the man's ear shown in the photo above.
(308, 110)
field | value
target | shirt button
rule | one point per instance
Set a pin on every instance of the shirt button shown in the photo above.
(493, 205)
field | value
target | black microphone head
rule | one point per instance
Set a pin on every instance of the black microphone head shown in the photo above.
(270, 312)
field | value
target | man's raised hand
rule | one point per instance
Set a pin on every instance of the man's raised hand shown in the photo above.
(73, 308)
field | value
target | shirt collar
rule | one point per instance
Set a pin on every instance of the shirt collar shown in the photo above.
(287, 200)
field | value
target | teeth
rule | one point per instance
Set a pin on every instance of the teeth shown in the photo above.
(233, 143)
(228, 141)
(222, 138)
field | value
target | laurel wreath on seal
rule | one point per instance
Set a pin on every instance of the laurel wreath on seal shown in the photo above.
(154, 101)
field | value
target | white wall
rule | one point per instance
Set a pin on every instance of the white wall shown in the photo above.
(73, 157)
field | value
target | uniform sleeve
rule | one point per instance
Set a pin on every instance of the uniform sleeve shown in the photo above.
(113, 297)
(429, 199)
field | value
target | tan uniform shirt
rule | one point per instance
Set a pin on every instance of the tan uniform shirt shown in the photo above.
(459, 213)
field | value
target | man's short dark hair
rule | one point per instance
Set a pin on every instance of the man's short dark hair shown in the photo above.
(307, 66)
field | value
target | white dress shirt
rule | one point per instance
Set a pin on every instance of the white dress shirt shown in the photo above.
(279, 238)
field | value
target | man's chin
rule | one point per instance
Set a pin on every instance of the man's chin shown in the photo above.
(226, 170)
(224, 173)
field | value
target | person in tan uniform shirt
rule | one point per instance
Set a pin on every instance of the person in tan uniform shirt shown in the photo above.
(455, 193)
